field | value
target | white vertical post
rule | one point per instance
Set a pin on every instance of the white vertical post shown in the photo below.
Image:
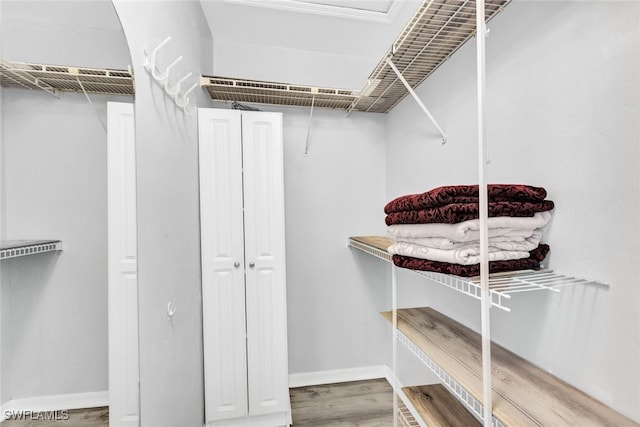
(485, 304)
(394, 364)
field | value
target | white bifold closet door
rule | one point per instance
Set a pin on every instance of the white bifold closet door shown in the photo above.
(122, 267)
(243, 266)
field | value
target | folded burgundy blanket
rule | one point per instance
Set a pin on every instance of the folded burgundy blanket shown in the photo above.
(533, 262)
(465, 194)
(454, 213)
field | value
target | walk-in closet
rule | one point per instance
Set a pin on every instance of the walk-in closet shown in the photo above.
(265, 213)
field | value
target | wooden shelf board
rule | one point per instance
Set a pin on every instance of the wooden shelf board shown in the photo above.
(523, 394)
(438, 407)
(376, 242)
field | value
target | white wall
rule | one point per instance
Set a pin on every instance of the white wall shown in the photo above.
(563, 95)
(334, 192)
(293, 66)
(171, 365)
(54, 305)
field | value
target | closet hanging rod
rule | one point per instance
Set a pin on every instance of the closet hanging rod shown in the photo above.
(417, 98)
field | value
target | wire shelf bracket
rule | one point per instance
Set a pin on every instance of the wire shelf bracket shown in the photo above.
(417, 99)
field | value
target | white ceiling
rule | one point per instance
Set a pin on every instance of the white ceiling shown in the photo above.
(334, 43)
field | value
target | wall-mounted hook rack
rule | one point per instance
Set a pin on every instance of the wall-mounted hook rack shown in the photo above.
(182, 101)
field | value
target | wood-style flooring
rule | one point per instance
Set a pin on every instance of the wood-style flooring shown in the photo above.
(90, 417)
(358, 403)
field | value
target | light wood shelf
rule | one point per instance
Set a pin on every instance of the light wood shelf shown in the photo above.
(523, 394)
(438, 407)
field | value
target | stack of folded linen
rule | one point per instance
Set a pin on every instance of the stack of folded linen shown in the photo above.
(440, 231)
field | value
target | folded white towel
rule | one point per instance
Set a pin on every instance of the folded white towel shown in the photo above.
(467, 256)
(507, 242)
(467, 231)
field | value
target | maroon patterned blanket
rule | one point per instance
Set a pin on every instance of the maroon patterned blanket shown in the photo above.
(465, 194)
(533, 262)
(457, 212)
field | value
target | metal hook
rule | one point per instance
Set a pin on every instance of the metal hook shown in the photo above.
(170, 311)
(162, 78)
(173, 91)
(183, 101)
(150, 60)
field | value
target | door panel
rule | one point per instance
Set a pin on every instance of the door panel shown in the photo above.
(264, 249)
(122, 267)
(223, 292)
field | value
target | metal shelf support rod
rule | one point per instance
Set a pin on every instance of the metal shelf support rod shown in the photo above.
(394, 348)
(417, 99)
(485, 302)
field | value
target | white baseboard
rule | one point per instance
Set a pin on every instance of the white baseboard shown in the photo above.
(338, 376)
(58, 402)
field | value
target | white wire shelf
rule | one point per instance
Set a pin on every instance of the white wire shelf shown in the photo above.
(372, 245)
(262, 92)
(435, 32)
(18, 248)
(501, 285)
(61, 78)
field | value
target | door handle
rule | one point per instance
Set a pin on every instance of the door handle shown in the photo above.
(252, 264)
(236, 264)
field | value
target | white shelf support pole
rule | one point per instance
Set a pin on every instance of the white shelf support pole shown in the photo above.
(418, 100)
(394, 348)
(485, 302)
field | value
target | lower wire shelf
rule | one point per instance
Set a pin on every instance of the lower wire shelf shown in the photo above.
(405, 417)
(523, 394)
(439, 408)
